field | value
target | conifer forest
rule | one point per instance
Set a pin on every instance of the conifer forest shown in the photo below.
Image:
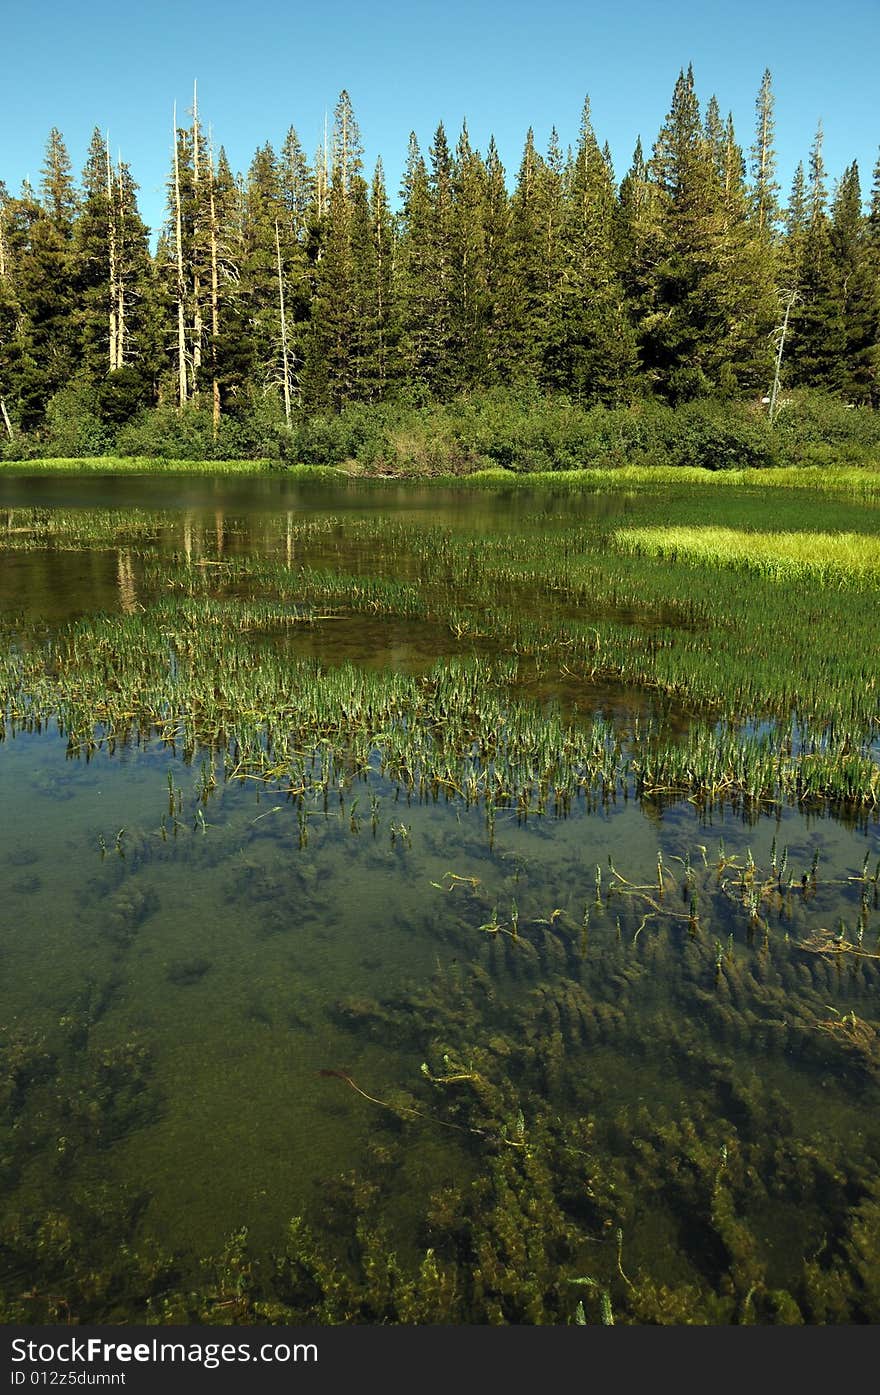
(304, 285)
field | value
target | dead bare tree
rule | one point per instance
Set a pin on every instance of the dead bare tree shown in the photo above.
(283, 319)
(198, 327)
(113, 266)
(215, 296)
(790, 297)
(181, 287)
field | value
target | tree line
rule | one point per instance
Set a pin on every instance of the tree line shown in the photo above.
(296, 287)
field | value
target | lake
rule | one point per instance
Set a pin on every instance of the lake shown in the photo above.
(421, 906)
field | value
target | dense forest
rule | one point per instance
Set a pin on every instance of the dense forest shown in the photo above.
(301, 288)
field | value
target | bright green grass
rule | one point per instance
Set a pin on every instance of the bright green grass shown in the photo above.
(151, 465)
(837, 556)
(851, 479)
(134, 465)
(857, 480)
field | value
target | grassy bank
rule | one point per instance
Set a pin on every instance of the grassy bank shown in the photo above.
(863, 481)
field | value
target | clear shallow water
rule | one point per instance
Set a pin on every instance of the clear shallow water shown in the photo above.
(547, 1053)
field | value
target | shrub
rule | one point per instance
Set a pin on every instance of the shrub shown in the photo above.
(718, 436)
(74, 426)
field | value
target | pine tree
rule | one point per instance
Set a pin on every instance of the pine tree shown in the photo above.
(9, 321)
(41, 353)
(258, 292)
(297, 187)
(342, 350)
(818, 338)
(234, 361)
(424, 281)
(712, 301)
(859, 290)
(382, 228)
(57, 187)
(496, 235)
(537, 262)
(467, 255)
(639, 243)
(111, 276)
(764, 188)
(594, 357)
(528, 286)
(796, 224)
(298, 285)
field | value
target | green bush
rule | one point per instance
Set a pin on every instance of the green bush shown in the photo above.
(522, 430)
(716, 436)
(808, 423)
(74, 425)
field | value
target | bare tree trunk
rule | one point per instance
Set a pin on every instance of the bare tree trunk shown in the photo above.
(114, 268)
(215, 314)
(197, 290)
(774, 391)
(6, 422)
(181, 293)
(763, 166)
(322, 174)
(283, 317)
(120, 273)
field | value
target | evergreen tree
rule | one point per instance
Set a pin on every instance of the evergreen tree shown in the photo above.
(859, 290)
(873, 236)
(639, 242)
(796, 224)
(469, 270)
(382, 228)
(424, 282)
(537, 262)
(10, 346)
(297, 186)
(112, 274)
(713, 304)
(764, 188)
(41, 353)
(343, 344)
(496, 234)
(527, 294)
(595, 354)
(298, 285)
(57, 188)
(258, 300)
(818, 338)
(183, 264)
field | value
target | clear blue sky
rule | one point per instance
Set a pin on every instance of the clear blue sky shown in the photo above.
(263, 65)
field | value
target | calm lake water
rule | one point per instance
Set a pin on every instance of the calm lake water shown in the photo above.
(600, 1061)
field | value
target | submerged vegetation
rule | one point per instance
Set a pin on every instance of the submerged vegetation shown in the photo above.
(461, 905)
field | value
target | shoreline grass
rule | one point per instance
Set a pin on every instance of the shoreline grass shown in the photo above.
(863, 480)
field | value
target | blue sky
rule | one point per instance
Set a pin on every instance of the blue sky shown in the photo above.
(263, 65)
